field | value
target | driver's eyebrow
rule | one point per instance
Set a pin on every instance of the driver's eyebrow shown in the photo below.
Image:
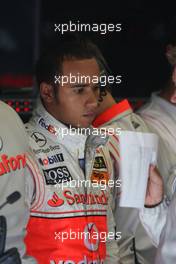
(79, 85)
(82, 85)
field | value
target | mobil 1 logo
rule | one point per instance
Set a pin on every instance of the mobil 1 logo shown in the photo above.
(57, 175)
(51, 159)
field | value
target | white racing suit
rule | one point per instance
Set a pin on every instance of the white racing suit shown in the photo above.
(121, 116)
(14, 175)
(160, 224)
(160, 115)
(68, 222)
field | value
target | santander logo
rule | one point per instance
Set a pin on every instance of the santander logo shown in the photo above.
(78, 198)
(55, 201)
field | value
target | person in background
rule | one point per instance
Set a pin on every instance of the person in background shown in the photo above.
(160, 115)
(158, 215)
(15, 174)
(135, 245)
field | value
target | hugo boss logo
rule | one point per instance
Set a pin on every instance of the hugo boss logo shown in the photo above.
(57, 175)
(8, 164)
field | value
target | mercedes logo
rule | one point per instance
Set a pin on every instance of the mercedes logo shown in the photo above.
(90, 241)
(1, 144)
(39, 138)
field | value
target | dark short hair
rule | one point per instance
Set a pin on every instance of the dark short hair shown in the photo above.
(171, 32)
(69, 46)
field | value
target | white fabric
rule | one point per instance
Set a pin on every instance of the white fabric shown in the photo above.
(127, 219)
(14, 143)
(160, 224)
(160, 116)
(153, 220)
(72, 148)
(166, 250)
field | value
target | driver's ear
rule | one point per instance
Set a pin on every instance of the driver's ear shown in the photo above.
(47, 92)
(173, 97)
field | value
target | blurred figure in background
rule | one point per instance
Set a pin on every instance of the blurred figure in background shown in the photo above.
(135, 245)
(160, 115)
(15, 176)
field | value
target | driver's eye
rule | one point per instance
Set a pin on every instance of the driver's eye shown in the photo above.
(79, 90)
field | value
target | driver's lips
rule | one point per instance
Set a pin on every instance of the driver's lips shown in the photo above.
(89, 116)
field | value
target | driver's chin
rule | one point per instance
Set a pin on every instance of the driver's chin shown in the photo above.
(86, 123)
(83, 123)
